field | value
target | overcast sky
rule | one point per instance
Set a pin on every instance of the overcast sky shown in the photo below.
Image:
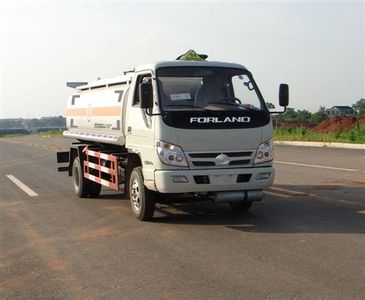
(315, 47)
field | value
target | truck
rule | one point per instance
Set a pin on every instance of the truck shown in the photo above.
(185, 127)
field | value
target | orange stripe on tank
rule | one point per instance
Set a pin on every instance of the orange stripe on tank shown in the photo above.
(76, 112)
(106, 111)
(95, 111)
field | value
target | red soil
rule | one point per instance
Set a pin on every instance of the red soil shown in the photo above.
(337, 124)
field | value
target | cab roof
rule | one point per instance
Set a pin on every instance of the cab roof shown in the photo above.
(124, 79)
(187, 63)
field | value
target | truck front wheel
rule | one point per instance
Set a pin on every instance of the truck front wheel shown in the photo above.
(83, 187)
(142, 200)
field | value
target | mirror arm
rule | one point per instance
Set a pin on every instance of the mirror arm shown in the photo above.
(278, 112)
(151, 114)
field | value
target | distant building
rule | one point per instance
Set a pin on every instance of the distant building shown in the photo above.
(340, 111)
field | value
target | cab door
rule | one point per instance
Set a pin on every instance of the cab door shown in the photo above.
(139, 126)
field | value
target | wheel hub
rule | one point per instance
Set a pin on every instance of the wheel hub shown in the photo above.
(136, 195)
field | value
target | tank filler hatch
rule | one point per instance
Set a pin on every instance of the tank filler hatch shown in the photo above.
(75, 84)
(192, 55)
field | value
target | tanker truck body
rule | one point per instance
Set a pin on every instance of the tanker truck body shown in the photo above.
(184, 127)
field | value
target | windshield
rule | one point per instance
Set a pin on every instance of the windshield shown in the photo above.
(207, 88)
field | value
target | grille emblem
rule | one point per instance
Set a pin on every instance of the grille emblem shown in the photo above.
(222, 160)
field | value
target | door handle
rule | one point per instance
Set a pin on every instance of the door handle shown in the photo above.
(129, 130)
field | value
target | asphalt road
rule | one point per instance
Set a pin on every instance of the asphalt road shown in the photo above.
(304, 241)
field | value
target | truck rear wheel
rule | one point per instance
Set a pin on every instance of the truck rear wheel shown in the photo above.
(83, 187)
(241, 206)
(142, 200)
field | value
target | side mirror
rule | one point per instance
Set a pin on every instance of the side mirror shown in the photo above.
(283, 95)
(145, 95)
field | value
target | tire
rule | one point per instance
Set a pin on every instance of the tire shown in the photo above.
(142, 200)
(94, 189)
(241, 206)
(83, 187)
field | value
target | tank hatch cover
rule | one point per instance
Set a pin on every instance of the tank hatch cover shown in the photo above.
(75, 84)
(192, 55)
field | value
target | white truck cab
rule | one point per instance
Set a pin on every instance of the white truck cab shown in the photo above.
(188, 126)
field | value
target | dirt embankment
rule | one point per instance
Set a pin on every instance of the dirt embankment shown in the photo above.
(338, 124)
(335, 124)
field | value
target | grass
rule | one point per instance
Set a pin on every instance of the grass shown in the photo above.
(9, 135)
(51, 133)
(355, 135)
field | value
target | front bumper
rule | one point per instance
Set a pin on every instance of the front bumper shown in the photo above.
(219, 180)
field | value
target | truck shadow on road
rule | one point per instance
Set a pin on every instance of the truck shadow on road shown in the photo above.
(316, 209)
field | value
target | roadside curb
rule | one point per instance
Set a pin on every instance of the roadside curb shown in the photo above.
(322, 144)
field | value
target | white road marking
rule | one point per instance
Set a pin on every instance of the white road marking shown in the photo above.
(22, 186)
(276, 194)
(317, 166)
(325, 198)
(292, 192)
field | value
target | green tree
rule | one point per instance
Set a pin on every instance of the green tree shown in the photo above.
(303, 115)
(320, 115)
(360, 107)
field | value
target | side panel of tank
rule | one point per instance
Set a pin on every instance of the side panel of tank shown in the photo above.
(97, 111)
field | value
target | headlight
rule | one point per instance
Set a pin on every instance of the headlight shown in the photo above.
(264, 152)
(171, 154)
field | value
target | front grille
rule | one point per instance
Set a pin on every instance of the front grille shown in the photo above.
(203, 163)
(208, 159)
(215, 154)
(239, 162)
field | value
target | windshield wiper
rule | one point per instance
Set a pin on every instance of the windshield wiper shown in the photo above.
(231, 104)
(224, 103)
(187, 105)
(235, 104)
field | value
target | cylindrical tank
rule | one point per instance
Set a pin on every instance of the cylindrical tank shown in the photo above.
(95, 112)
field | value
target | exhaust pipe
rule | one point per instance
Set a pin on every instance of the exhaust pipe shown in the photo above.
(254, 195)
(237, 196)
